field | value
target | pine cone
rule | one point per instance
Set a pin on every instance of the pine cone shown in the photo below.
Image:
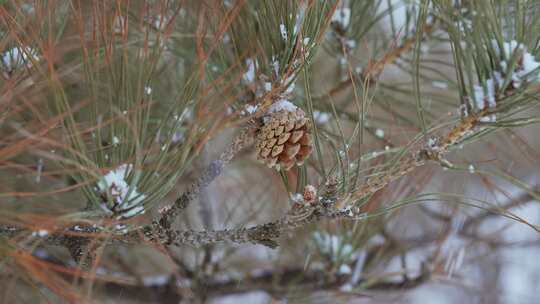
(284, 139)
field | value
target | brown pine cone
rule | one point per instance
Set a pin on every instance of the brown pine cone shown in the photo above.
(284, 139)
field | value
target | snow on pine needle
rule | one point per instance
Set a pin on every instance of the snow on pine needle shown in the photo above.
(249, 75)
(321, 117)
(260, 84)
(335, 247)
(525, 70)
(126, 200)
(526, 63)
(282, 104)
(18, 57)
(342, 16)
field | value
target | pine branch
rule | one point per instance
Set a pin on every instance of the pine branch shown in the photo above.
(300, 215)
(265, 234)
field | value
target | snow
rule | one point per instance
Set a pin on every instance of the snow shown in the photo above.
(490, 87)
(439, 84)
(121, 228)
(397, 12)
(17, 57)
(228, 4)
(529, 63)
(40, 233)
(280, 105)
(299, 18)
(132, 211)
(296, 197)
(334, 246)
(350, 43)
(124, 195)
(275, 64)
(283, 31)
(249, 75)
(454, 260)
(479, 97)
(342, 16)
(485, 93)
(157, 280)
(250, 109)
(289, 82)
(463, 110)
(148, 90)
(525, 66)
(344, 269)
(226, 38)
(465, 25)
(160, 22)
(379, 133)
(346, 287)
(489, 118)
(454, 248)
(358, 267)
(433, 144)
(518, 280)
(321, 117)
(508, 48)
(28, 8)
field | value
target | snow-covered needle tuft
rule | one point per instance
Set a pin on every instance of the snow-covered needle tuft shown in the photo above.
(18, 57)
(249, 75)
(342, 16)
(525, 70)
(336, 247)
(125, 198)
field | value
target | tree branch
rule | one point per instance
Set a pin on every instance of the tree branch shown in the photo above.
(299, 215)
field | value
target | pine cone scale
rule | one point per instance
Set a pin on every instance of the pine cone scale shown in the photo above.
(284, 139)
